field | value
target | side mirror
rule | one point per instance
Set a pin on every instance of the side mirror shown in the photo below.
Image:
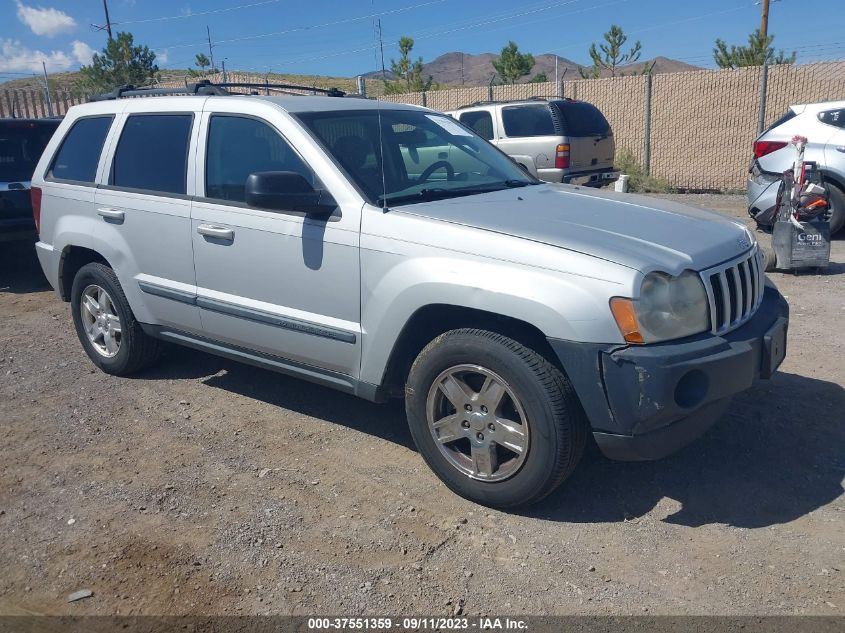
(287, 191)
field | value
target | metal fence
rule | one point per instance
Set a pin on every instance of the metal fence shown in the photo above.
(693, 129)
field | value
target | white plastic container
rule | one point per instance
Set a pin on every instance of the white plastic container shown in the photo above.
(621, 184)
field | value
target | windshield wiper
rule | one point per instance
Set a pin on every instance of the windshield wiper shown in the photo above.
(441, 193)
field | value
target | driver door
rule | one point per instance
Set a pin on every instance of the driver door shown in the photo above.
(276, 282)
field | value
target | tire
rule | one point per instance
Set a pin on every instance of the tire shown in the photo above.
(126, 348)
(837, 208)
(552, 424)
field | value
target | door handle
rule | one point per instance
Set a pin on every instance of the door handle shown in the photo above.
(111, 214)
(219, 232)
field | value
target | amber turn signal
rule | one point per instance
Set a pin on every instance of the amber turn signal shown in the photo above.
(626, 319)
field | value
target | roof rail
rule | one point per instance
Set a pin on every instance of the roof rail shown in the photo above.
(206, 88)
(500, 101)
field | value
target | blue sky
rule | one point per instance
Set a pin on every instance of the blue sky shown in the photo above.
(333, 37)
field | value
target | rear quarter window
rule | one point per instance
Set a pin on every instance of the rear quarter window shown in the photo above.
(80, 150)
(528, 120)
(582, 119)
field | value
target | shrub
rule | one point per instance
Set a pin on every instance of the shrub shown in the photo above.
(638, 180)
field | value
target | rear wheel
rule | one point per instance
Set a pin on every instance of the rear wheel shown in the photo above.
(105, 325)
(495, 421)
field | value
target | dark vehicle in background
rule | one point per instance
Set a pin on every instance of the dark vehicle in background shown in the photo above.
(21, 143)
(556, 140)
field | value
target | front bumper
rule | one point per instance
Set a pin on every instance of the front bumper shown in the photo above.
(646, 402)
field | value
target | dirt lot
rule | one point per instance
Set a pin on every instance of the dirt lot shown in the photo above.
(215, 488)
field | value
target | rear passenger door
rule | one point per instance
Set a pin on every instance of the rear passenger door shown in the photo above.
(145, 211)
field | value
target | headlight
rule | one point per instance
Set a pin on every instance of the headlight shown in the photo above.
(667, 308)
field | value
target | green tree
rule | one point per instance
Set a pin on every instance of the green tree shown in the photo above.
(609, 56)
(121, 63)
(758, 52)
(539, 78)
(408, 72)
(202, 62)
(512, 64)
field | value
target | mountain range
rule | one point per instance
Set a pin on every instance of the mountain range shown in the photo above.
(456, 68)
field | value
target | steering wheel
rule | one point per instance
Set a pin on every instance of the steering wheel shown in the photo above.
(440, 164)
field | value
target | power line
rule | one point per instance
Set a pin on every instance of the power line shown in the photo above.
(314, 26)
(184, 16)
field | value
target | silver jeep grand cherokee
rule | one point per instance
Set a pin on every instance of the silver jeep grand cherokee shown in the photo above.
(387, 251)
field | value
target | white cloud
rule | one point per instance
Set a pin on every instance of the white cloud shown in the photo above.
(161, 56)
(15, 57)
(82, 52)
(45, 21)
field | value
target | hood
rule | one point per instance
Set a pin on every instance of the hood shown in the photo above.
(635, 231)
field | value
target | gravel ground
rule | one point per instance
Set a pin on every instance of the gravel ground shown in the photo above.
(208, 487)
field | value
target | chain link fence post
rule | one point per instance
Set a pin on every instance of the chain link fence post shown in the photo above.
(761, 116)
(647, 125)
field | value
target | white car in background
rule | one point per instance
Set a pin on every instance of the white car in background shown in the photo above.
(824, 126)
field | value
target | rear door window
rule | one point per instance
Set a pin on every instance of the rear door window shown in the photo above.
(152, 154)
(582, 119)
(480, 121)
(79, 153)
(528, 120)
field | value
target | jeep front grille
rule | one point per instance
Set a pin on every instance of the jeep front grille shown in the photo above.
(734, 290)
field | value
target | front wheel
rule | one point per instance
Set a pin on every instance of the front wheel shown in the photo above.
(495, 421)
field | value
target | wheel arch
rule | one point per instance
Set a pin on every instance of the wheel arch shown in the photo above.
(73, 258)
(431, 320)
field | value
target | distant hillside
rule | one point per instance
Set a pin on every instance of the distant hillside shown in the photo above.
(478, 69)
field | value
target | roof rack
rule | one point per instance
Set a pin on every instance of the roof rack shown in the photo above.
(206, 88)
(500, 101)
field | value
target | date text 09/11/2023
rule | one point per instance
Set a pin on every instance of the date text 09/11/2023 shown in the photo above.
(416, 624)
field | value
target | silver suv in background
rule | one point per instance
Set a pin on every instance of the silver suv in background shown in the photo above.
(557, 140)
(386, 250)
(824, 126)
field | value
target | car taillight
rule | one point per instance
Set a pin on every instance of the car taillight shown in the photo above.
(562, 156)
(35, 194)
(762, 148)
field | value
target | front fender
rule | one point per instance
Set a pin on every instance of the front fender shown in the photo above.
(395, 287)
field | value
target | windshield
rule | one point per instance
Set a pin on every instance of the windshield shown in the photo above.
(426, 156)
(20, 150)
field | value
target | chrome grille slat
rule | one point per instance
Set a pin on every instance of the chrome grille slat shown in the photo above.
(726, 299)
(734, 291)
(737, 296)
(748, 285)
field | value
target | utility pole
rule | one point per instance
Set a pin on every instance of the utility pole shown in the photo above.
(381, 48)
(210, 49)
(225, 79)
(764, 20)
(108, 21)
(47, 89)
